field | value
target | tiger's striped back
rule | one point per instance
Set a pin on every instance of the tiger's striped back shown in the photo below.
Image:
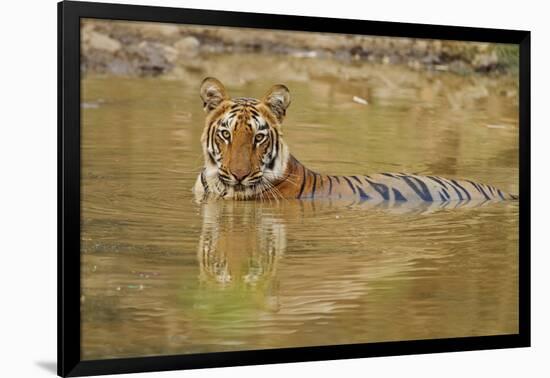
(393, 187)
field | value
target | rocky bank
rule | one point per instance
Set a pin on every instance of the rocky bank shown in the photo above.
(149, 49)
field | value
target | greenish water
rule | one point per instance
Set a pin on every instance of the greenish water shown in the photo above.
(162, 274)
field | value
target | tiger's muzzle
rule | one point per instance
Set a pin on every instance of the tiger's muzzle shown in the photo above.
(239, 179)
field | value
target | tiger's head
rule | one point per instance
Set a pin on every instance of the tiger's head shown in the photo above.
(244, 153)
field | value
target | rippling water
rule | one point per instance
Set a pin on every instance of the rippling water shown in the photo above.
(162, 274)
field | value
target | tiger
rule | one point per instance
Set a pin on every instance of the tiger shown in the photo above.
(246, 158)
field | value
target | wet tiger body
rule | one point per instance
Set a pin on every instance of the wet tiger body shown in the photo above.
(247, 159)
(394, 187)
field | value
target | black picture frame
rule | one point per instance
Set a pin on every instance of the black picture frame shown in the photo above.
(69, 15)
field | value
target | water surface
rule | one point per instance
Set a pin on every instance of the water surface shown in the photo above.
(162, 274)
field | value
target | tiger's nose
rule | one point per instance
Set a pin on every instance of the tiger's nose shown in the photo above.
(240, 174)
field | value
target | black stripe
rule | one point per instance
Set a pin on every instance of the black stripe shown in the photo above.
(212, 160)
(271, 164)
(398, 195)
(350, 184)
(382, 189)
(357, 179)
(275, 152)
(446, 193)
(500, 194)
(437, 181)
(425, 188)
(488, 190)
(275, 141)
(337, 179)
(423, 192)
(314, 185)
(209, 139)
(479, 189)
(362, 194)
(329, 185)
(389, 175)
(209, 142)
(456, 190)
(303, 183)
(465, 191)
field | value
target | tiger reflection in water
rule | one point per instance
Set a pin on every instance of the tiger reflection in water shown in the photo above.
(239, 244)
(242, 242)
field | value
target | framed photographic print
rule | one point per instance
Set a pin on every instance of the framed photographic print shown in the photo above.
(239, 188)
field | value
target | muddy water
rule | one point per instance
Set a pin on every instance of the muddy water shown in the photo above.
(162, 274)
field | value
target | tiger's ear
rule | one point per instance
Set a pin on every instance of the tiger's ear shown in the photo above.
(212, 93)
(278, 99)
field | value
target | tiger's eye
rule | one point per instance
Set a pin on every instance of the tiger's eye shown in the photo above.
(259, 137)
(226, 134)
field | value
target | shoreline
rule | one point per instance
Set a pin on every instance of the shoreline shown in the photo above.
(138, 49)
